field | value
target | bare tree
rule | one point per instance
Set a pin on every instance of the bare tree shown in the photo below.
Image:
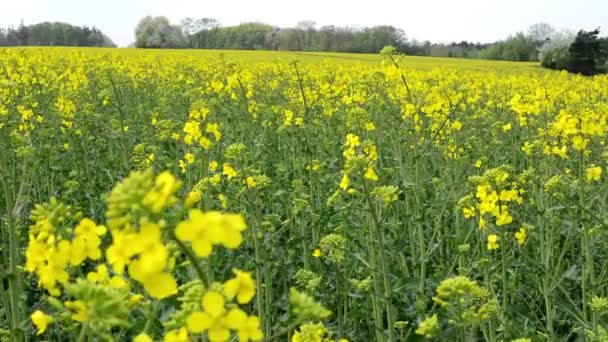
(307, 28)
(540, 32)
(192, 26)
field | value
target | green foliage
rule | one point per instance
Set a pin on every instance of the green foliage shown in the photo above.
(54, 34)
(157, 32)
(586, 53)
(515, 48)
(305, 308)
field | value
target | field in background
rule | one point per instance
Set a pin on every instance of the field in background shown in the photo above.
(169, 194)
(306, 57)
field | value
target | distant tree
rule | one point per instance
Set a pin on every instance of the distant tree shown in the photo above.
(54, 34)
(541, 32)
(157, 32)
(515, 48)
(22, 34)
(3, 38)
(306, 29)
(586, 53)
(191, 26)
(554, 52)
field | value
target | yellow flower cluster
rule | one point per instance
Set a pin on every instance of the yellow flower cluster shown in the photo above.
(360, 158)
(493, 195)
(139, 246)
(203, 230)
(49, 254)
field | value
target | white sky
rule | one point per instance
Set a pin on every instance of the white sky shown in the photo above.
(434, 20)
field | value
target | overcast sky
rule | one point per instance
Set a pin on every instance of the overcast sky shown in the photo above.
(434, 20)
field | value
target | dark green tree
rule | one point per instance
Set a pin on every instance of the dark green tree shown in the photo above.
(586, 53)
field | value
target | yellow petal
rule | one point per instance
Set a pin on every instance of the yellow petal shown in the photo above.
(198, 322)
(202, 247)
(213, 303)
(219, 335)
(143, 337)
(235, 319)
(160, 285)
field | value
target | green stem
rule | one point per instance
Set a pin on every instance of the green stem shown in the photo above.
(386, 281)
(259, 275)
(546, 252)
(193, 260)
(283, 332)
(83, 333)
(503, 255)
(14, 275)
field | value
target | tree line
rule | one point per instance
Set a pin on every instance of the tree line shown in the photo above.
(208, 33)
(584, 52)
(54, 34)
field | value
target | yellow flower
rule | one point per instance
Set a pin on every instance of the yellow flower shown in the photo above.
(121, 250)
(163, 193)
(457, 125)
(493, 242)
(178, 335)
(316, 253)
(41, 321)
(520, 236)
(478, 163)
(468, 212)
(195, 230)
(143, 337)
(213, 165)
(345, 182)
(371, 174)
(79, 309)
(594, 173)
(205, 143)
(83, 247)
(507, 127)
(88, 227)
(223, 200)
(193, 197)
(212, 319)
(310, 332)
(190, 158)
(159, 285)
(136, 299)
(370, 126)
(232, 225)
(214, 129)
(251, 183)
(215, 179)
(204, 230)
(242, 286)
(315, 165)
(352, 140)
(100, 276)
(229, 171)
(250, 331)
(503, 218)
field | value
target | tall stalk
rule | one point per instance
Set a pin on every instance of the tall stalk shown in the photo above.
(382, 261)
(14, 276)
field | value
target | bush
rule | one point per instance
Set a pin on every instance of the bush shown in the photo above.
(554, 54)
